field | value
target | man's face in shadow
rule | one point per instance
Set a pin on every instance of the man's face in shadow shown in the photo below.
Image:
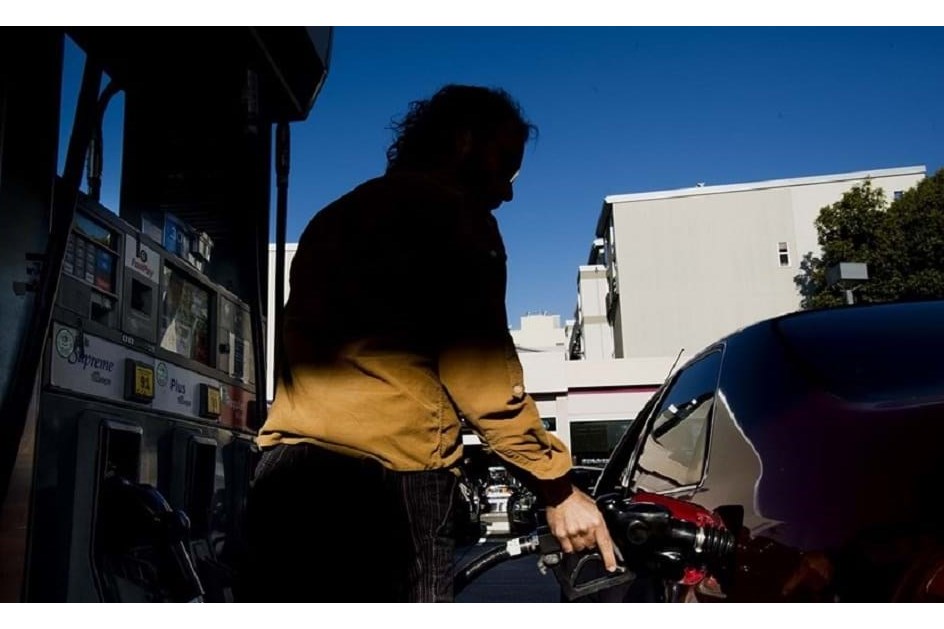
(488, 167)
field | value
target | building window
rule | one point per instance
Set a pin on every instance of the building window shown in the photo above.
(897, 194)
(612, 305)
(783, 253)
(550, 423)
(610, 251)
(576, 344)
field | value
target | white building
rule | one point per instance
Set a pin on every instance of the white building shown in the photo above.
(591, 336)
(540, 333)
(686, 267)
(673, 271)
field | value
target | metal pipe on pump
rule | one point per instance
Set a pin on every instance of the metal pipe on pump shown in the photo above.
(282, 162)
(17, 401)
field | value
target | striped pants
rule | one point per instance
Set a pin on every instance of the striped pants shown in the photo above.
(329, 528)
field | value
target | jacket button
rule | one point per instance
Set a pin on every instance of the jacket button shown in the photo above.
(517, 390)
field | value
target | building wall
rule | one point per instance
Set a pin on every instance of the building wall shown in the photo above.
(596, 341)
(540, 332)
(699, 263)
(693, 269)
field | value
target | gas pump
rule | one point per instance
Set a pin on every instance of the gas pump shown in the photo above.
(128, 466)
(151, 370)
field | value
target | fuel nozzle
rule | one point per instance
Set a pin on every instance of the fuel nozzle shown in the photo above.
(667, 537)
(141, 540)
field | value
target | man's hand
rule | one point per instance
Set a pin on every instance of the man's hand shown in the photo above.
(578, 525)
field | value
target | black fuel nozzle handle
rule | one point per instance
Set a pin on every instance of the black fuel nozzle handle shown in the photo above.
(137, 515)
(581, 573)
(653, 535)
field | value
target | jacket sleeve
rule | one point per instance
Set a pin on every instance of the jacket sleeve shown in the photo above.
(479, 366)
(484, 379)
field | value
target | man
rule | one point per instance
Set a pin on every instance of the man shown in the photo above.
(395, 327)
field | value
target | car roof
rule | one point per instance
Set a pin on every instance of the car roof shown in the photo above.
(870, 352)
(837, 316)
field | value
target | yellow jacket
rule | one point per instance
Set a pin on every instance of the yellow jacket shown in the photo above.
(396, 325)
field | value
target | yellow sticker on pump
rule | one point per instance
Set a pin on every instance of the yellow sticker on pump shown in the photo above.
(213, 400)
(143, 381)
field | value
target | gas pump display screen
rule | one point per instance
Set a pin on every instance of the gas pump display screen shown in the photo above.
(185, 316)
(91, 229)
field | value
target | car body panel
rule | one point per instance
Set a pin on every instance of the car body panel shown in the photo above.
(823, 445)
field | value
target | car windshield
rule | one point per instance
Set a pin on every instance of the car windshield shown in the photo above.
(880, 354)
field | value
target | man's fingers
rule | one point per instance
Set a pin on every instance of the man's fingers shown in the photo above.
(578, 525)
(605, 546)
(566, 546)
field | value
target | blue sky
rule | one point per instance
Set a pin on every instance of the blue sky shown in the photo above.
(623, 110)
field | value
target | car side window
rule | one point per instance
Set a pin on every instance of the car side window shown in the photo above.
(675, 450)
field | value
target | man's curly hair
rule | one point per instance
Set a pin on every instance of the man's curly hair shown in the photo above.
(426, 135)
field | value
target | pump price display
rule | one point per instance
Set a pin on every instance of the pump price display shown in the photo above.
(213, 401)
(143, 381)
(139, 381)
(210, 401)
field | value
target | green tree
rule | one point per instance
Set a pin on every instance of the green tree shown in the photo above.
(849, 230)
(916, 227)
(902, 243)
